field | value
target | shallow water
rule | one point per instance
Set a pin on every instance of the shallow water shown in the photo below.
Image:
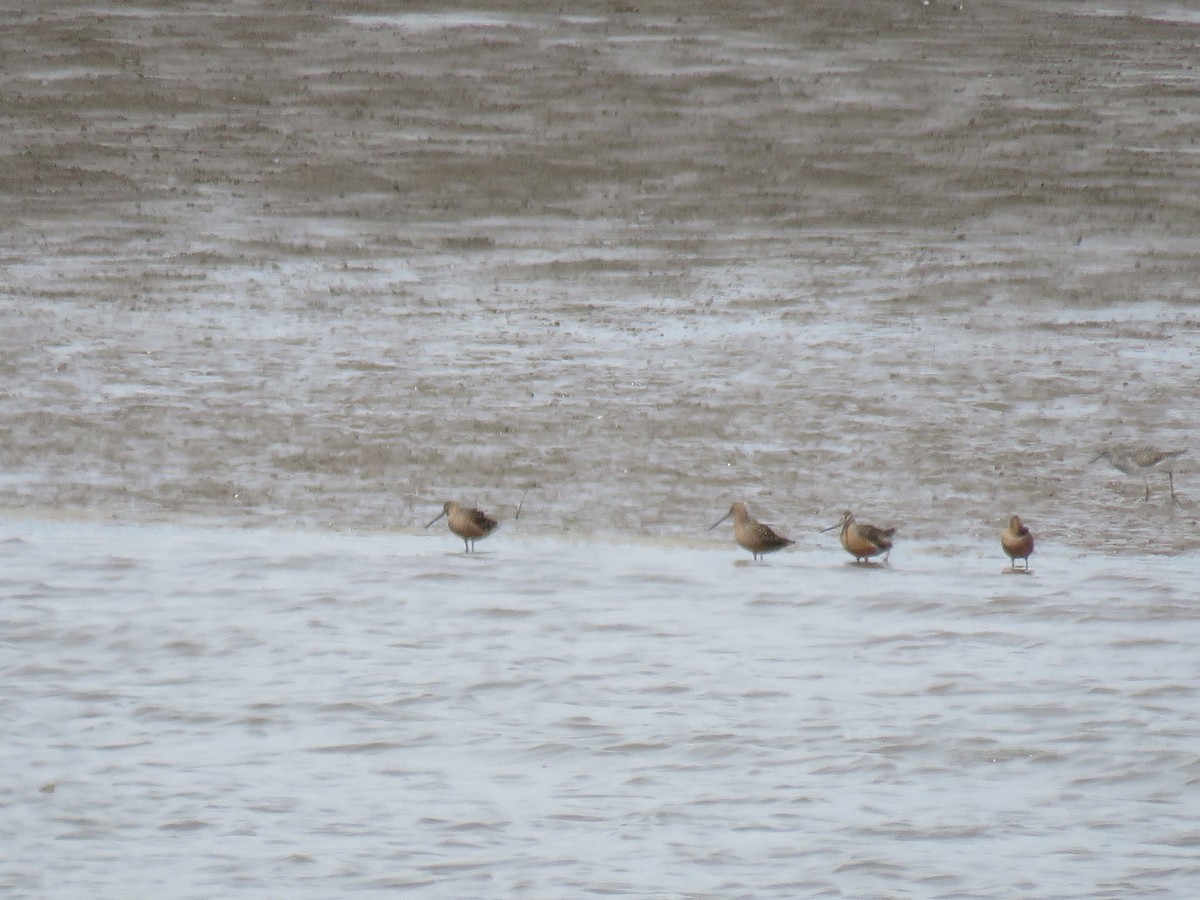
(223, 710)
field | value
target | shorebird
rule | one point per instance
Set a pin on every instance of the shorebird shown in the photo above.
(863, 541)
(1017, 541)
(469, 524)
(1139, 461)
(752, 534)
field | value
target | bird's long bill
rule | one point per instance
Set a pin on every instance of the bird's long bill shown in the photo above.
(1100, 455)
(830, 528)
(435, 518)
(720, 520)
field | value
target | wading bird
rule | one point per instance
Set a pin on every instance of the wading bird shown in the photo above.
(1139, 461)
(1017, 541)
(469, 524)
(752, 534)
(863, 541)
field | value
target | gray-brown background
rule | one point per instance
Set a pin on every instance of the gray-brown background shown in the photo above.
(333, 263)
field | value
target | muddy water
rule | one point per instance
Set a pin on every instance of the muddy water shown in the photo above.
(319, 269)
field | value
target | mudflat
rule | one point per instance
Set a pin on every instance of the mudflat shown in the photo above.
(333, 265)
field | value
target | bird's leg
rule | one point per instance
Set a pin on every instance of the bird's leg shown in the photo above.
(1171, 481)
(1147, 480)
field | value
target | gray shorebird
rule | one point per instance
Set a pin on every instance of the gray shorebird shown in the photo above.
(1140, 461)
(752, 534)
(863, 541)
(1017, 541)
(469, 524)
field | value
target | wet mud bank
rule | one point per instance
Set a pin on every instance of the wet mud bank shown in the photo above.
(334, 265)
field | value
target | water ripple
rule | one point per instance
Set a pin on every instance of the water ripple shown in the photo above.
(531, 735)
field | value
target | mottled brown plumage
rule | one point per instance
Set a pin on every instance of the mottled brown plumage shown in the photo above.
(864, 541)
(1139, 461)
(1017, 541)
(469, 524)
(752, 534)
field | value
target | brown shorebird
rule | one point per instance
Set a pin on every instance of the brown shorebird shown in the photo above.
(863, 541)
(469, 524)
(1139, 461)
(752, 534)
(1017, 541)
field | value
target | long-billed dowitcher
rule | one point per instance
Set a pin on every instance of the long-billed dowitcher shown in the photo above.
(1140, 461)
(752, 534)
(1017, 541)
(469, 524)
(863, 541)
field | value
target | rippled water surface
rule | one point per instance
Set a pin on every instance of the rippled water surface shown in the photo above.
(198, 712)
